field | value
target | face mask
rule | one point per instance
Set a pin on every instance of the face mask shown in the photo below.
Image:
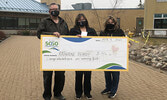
(110, 26)
(82, 23)
(55, 13)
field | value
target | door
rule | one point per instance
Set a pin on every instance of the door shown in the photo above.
(139, 25)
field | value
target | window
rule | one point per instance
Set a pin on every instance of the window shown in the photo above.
(38, 21)
(14, 23)
(165, 16)
(160, 21)
(27, 23)
(161, 0)
(2, 22)
(33, 23)
(158, 15)
(21, 23)
(11, 23)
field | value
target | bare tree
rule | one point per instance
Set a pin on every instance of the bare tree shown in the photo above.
(141, 5)
(100, 18)
(114, 4)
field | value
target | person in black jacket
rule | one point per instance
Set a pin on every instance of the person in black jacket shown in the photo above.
(53, 25)
(111, 29)
(80, 29)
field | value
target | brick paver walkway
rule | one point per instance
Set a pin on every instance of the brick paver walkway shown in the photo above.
(21, 78)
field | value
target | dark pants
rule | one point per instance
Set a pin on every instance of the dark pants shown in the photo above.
(59, 80)
(112, 81)
(78, 82)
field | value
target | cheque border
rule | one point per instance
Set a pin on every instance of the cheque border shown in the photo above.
(83, 69)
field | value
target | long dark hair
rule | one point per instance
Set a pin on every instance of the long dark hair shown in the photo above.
(114, 21)
(79, 17)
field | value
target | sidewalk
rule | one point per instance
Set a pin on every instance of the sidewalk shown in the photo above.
(21, 78)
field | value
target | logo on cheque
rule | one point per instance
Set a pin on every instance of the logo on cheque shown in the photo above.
(52, 45)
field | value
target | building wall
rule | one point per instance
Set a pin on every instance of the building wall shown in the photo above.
(51, 1)
(153, 7)
(97, 18)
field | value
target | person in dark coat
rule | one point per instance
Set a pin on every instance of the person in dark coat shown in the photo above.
(80, 29)
(53, 25)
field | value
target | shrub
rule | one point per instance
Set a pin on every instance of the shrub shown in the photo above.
(33, 33)
(24, 32)
(2, 35)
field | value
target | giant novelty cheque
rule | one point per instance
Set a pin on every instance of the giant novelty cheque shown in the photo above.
(86, 53)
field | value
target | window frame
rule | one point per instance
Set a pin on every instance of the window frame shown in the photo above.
(161, 18)
(161, 0)
(27, 20)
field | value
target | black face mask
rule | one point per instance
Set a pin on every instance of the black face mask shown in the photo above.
(55, 13)
(82, 23)
(110, 26)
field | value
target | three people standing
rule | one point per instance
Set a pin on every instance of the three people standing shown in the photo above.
(55, 25)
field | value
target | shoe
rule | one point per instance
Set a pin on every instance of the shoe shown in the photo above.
(47, 98)
(105, 91)
(112, 95)
(88, 96)
(60, 97)
(78, 97)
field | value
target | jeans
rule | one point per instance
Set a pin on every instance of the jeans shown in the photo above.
(112, 82)
(59, 80)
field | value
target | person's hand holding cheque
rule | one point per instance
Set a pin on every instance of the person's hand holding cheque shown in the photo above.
(57, 34)
(79, 36)
(129, 44)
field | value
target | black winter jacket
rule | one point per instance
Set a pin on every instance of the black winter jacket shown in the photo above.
(118, 32)
(48, 26)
